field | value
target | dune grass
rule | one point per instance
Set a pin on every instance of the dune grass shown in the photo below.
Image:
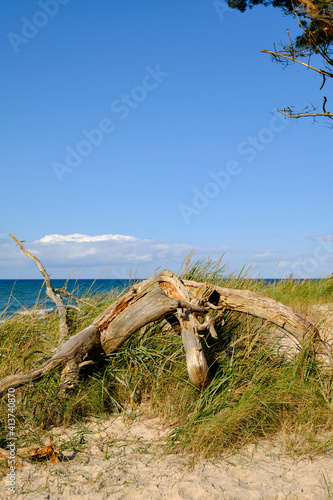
(254, 392)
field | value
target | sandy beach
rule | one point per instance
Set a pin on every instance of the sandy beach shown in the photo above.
(121, 459)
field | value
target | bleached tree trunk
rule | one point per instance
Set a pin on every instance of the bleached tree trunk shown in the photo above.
(155, 299)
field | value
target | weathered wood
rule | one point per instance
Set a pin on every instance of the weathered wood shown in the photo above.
(197, 367)
(151, 301)
(270, 310)
(143, 304)
(33, 453)
(158, 298)
(55, 297)
(80, 348)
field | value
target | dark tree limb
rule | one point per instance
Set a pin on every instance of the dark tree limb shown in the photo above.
(282, 57)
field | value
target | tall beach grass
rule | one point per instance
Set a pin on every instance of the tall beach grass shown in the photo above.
(254, 392)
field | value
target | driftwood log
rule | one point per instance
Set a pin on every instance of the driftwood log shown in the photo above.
(155, 299)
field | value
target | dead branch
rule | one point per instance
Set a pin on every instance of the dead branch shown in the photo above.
(62, 291)
(324, 81)
(275, 313)
(55, 297)
(81, 347)
(278, 55)
(289, 114)
(155, 299)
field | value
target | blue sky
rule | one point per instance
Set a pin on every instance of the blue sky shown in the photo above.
(154, 121)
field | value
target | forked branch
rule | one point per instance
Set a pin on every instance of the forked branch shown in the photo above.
(54, 295)
(280, 55)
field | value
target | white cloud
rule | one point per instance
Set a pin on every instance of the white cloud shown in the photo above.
(267, 254)
(92, 254)
(313, 264)
(83, 238)
(104, 250)
(122, 254)
(319, 237)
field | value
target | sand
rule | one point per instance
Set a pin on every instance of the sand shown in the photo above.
(127, 460)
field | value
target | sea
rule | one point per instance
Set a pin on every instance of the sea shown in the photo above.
(17, 296)
(20, 295)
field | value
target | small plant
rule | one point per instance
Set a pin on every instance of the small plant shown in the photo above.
(328, 486)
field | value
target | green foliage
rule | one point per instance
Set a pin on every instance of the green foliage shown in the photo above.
(314, 22)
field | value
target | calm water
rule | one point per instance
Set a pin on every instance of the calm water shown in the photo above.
(18, 294)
